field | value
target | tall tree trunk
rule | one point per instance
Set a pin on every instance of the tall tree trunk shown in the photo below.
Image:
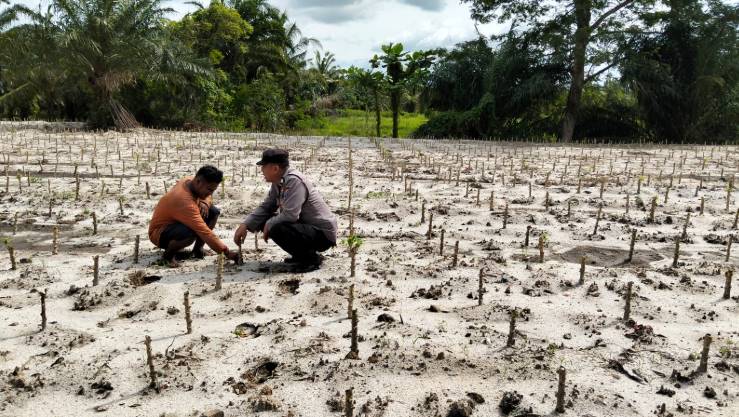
(577, 72)
(395, 105)
(378, 115)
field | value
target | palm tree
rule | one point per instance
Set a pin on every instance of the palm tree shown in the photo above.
(110, 44)
(298, 45)
(326, 70)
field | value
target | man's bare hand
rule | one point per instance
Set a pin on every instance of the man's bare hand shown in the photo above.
(204, 209)
(232, 255)
(265, 233)
(240, 234)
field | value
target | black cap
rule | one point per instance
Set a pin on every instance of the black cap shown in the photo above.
(274, 156)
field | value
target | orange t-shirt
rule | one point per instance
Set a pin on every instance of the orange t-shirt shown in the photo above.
(179, 205)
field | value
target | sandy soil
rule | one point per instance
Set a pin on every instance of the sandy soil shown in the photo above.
(272, 342)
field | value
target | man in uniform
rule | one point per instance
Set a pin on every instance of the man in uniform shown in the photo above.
(294, 214)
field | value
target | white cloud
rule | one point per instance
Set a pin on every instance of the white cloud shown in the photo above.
(355, 29)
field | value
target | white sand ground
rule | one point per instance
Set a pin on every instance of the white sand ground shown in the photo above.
(90, 360)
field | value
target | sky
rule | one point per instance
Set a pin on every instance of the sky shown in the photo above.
(354, 30)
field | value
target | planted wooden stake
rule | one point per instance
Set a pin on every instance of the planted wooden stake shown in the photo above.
(148, 191)
(512, 329)
(546, 201)
(431, 223)
(477, 199)
(55, 241)
(95, 270)
(582, 271)
(703, 204)
(651, 209)
(729, 189)
(631, 246)
(597, 220)
(188, 317)
(736, 219)
(727, 285)
(423, 212)
(94, 223)
(136, 244)
(354, 350)
(526, 239)
(351, 222)
(562, 373)
(456, 254)
(703, 366)
(728, 248)
(353, 265)
(685, 227)
(43, 309)
(441, 243)
(77, 188)
(676, 256)
(627, 305)
(219, 272)
(350, 306)
(627, 203)
(480, 287)
(11, 253)
(150, 363)
(120, 205)
(569, 208)
(349, 403)
(542, 240)
(505, 216)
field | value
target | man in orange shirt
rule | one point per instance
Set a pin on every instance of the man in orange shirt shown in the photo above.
(186, 215)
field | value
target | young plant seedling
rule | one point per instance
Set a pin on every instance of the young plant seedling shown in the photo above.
(353, 243)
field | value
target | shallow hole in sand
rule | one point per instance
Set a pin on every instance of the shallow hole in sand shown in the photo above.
(609, 257)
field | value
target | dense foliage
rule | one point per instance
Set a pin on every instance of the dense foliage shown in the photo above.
(581, 69)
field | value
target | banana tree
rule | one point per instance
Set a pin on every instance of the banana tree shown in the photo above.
(402, 68)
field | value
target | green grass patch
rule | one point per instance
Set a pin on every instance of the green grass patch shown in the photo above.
(359, 123)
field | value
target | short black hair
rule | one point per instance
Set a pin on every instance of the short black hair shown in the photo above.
(210, 174)
(283, 165)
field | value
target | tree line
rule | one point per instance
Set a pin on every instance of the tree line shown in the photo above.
(566, 70)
